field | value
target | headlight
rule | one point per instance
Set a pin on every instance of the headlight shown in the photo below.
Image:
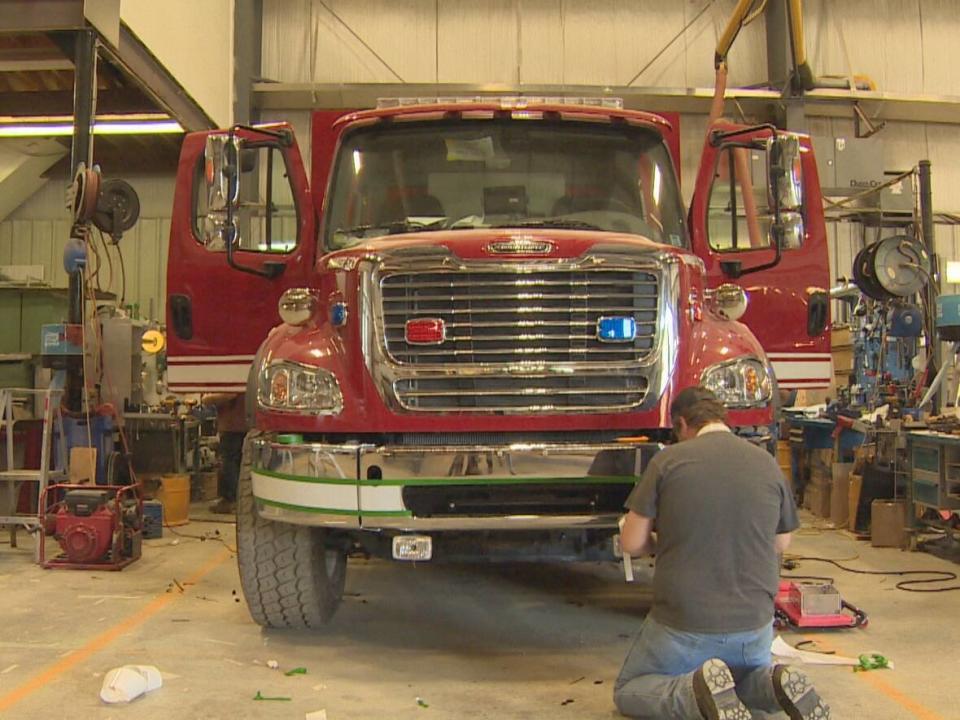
(291, 387)
(739, 383)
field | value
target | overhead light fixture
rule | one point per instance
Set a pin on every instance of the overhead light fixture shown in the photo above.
(108, 127)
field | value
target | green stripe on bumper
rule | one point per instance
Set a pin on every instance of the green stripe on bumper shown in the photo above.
(467, 480)
(333, 511)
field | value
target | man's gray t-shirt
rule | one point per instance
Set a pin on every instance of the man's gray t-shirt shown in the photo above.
(719, 502)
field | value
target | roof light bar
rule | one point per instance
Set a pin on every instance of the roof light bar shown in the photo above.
(509, 102)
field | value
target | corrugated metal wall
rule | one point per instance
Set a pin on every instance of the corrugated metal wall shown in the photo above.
(36, 232)
(598, 42)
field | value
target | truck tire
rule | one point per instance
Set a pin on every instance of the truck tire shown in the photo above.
(291, 575)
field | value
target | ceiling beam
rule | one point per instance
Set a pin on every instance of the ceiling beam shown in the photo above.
(756, 103)
(60, 102)
(25, 59)
(156, 81)
(21, 16)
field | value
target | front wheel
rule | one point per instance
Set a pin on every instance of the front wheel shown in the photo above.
(292, 576)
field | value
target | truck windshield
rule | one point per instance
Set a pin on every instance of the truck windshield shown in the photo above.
(462, 174)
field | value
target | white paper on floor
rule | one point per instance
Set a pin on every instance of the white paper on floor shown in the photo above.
(782, 651)
(123, 684)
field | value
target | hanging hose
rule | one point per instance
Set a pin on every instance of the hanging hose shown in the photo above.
(743, 14)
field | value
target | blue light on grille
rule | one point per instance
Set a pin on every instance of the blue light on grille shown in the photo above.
(616, 329)
(338, 314)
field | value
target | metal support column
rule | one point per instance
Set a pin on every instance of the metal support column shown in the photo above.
(781, 74)
(81, 151)
(779, 59)
(925, 190)
(247, 36)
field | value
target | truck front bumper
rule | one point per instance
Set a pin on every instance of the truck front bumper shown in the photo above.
(419, 488)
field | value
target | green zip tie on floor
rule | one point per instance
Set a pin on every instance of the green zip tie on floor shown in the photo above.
(289, 439)
(872, 662)
(258, 696)
(296, 671)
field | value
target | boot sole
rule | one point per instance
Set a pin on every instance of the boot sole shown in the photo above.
(717, 693)
(797, 696)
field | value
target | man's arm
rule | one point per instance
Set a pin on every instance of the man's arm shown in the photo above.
(636, 535)
(782, 542)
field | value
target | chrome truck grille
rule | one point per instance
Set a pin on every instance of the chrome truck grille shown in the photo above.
(538, 326)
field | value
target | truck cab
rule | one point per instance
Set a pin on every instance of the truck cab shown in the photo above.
(461, 337)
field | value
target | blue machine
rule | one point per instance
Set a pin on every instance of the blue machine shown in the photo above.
(884, 347)
(61, 340)
(948, 317)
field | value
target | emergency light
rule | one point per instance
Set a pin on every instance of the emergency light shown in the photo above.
(617, 329)
(425, 331)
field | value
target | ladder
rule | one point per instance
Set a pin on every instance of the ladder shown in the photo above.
(12, 478)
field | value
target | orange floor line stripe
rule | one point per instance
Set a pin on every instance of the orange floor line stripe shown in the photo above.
(105, 638)
(906, 702)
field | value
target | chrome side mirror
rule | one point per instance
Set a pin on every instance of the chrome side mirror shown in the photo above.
(222, 177)
(791, 230)
(784, 172)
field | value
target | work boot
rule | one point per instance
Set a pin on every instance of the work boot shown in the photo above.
(796, 695)
(224, 507)
(716, 693)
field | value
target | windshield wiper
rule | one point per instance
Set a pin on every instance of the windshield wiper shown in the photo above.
(394, 227)
(557, 223)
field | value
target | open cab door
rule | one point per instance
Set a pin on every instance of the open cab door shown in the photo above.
(242, 232)
(757, 222)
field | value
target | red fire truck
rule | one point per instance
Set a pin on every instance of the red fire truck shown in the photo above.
(485, 309)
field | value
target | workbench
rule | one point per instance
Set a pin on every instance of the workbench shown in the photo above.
(818, 434)
(934, 470)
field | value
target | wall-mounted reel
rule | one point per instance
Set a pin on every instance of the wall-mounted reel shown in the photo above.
(112, 205)
(894, 267)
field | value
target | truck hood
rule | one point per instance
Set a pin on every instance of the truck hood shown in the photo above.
(503, 243)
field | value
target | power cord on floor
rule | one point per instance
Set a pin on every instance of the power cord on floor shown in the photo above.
(212, 535)
(933, 576)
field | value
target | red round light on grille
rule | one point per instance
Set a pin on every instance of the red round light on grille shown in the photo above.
(425, 331)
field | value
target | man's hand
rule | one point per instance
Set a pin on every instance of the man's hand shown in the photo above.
(636, 535)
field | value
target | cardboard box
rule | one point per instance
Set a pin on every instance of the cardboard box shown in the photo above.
(821, 466)
(816, 498)
(83, 465)
(841, 337)
(842, 361)
(888, 522)
(840, 494)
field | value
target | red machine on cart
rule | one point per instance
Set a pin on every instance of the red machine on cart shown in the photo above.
(815, 606)
(98, 527)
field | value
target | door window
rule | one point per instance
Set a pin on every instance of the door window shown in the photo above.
(267, 217)
(739, 212)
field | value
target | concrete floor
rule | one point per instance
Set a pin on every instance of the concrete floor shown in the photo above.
(471, 641)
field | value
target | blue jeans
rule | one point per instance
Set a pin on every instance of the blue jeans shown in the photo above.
(656, 680)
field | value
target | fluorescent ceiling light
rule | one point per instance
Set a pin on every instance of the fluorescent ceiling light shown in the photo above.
(140, 127)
